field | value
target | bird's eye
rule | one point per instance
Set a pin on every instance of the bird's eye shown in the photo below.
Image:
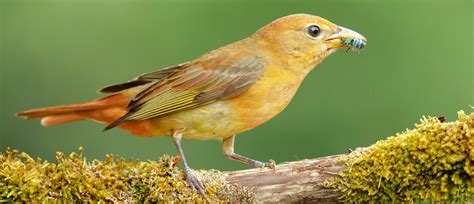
(313, 31)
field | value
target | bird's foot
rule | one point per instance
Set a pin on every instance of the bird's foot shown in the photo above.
(271, 164)
(193, 181)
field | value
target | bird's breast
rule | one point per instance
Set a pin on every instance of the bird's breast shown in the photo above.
(268, 97)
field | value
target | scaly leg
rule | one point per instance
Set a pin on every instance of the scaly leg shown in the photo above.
(188, 172)
(228, 150)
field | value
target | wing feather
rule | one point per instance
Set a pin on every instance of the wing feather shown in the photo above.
(190, 87)
(142, 79)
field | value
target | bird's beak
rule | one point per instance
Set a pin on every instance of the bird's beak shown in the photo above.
(346, 38)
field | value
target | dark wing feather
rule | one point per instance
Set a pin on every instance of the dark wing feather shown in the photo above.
(191, 87)
(142, 79)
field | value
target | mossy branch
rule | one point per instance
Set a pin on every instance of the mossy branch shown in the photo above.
(434, 161)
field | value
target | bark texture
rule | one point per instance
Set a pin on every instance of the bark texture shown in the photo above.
(298, 181)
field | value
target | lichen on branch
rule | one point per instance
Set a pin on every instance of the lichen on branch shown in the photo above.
(434, 161)
(72, 178)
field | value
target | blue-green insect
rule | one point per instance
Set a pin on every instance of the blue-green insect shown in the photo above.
(353, 43)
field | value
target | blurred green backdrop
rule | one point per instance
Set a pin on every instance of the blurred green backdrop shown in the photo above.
(418, 62)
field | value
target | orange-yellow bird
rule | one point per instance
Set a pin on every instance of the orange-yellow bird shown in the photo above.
(220, 94)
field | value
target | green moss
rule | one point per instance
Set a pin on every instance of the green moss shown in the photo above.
(73, 178)
(434, 161)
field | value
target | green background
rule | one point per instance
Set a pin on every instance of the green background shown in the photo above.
(418, 62)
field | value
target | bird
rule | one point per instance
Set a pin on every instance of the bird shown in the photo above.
(218, 95)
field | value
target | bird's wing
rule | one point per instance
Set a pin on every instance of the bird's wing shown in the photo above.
(192, 86)
(142, 79)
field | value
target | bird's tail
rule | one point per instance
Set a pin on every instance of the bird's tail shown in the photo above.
(56, 115)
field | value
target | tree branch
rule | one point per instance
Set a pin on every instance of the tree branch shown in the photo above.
(292, 181)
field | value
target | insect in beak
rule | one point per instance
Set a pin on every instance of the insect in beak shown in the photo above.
(346, 38)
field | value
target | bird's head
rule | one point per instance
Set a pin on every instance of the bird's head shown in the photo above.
(305, 40)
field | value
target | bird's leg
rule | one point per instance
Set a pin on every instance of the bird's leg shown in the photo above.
(228, 150)
(188, 172)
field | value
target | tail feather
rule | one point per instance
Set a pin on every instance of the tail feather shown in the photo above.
(104, 110)
(60, 119)
(58, 110)
(56, 115)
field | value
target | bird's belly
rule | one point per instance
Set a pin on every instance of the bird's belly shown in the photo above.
(225, 118)
(211, 121)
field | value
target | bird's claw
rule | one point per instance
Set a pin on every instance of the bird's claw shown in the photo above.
(193, 181)
(271, 164)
